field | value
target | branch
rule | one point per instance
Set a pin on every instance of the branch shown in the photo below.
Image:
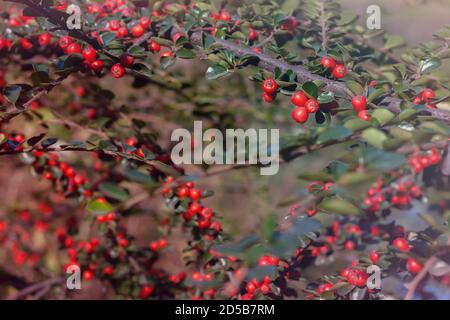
(43, 286)
(323, 24)
(267, 62)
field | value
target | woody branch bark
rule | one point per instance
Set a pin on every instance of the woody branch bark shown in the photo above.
(264, 61)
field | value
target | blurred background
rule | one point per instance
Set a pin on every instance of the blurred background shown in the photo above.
(242, 197)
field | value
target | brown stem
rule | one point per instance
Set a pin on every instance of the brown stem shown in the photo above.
(46, 284)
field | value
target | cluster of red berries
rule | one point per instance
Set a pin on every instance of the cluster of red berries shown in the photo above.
(62, 174)
(222, 15)
(403, 193)
(268, 260)
(17, 237)
(374, 197)
(304, 107)
(270, 88)
(203, 216)
(419, 162)
(359, 103)
(412, 265)
(316, 186)
(289, 23)
(12, 142)
(426, 96)
(158, 245)
(355, 277)
(338, 70)
(253, 286)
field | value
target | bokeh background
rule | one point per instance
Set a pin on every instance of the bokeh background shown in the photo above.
(243, 197)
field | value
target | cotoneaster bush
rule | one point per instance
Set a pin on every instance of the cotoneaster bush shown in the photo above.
(366, 125)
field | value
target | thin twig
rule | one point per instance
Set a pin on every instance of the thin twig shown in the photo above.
(46, 284)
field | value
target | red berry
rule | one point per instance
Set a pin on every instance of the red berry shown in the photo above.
(357, 278)
(145, 292)
(417, 100)
(289, 23)
(327, 62)
(299, 99)
(359, 103)
(252, 35)
(250, 287)
(107, 271)
(166, 54)
(195, 194)
(203, 224)
(117, 70)
(114, 25)
(89, 54)
(268, 97)
(374, 256)
(97, 65)
(126, 60)
(183, 192)
(427, 94)
(300, 115)
(154, 46)
(413, 265)
(73, 48)
(225, 16)
(312, 105)
(122, 32)
(137, 30)
(264, 288)
(401, 244)
(44, 39)
(324, 287)
(26, 44)
(270, 86)
(144, 22)
(64, 42)
(88, 275)
(350, 245)
(363, 115)
(339, 71)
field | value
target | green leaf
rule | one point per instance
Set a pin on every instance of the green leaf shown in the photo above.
(113, 191)
(207, 40)
(268, 227)
(325, 97)
(40, 78)
(393, 41)
(338, 206)
(375, 137)
(48, 142)
(216, 71)
(12, 93)
(383, 116)
(406, 114)
(356, 124)
(430, 65)
(184, 53)
(140, 177)
(311, 89)
(335, 132)
(143, 70)
(355, 87)
(99, 207)
(383, 160)
(166, 62)
(107, 37)
(374, 94)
